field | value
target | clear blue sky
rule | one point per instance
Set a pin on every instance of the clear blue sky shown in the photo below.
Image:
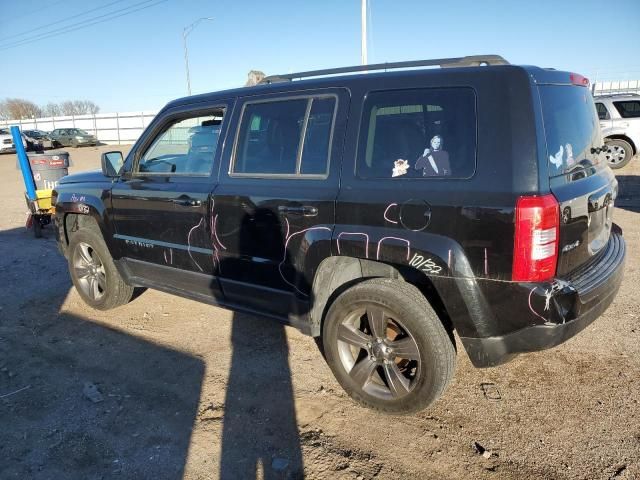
(136, 62)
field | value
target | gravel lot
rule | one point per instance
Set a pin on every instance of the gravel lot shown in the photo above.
(168, 388)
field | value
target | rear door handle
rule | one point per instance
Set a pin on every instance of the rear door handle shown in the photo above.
(187, 202)
(305, 210)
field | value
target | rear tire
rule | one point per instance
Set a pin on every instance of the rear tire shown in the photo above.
(619, 152)
(387, 347)
(93, 272)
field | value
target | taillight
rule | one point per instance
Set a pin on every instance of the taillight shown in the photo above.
(535, 248)
(579, 80)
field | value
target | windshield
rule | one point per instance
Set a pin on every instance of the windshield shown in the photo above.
(571, 127)
(80, 132)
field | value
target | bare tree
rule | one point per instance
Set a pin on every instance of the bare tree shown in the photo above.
(51, 110)
(86, 106)
(18, 109)
(254, 77)
(67, 107)
(78, 107)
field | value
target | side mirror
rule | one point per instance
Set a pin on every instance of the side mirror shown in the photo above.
(112, 163)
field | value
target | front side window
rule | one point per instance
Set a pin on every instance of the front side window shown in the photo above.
(423, 133)
(603, 113)
(187, 146)
(629, 109)
(285, 137)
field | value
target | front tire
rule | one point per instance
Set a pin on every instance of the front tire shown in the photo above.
(387, 347)
(619, 153)
(93, 272)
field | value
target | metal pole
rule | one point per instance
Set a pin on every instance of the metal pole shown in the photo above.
(186, 59)
(363, 40)
(185, 32)
(27, 175)
(118, 126)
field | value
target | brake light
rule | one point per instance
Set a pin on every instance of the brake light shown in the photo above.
(535, 247)
(577, 79)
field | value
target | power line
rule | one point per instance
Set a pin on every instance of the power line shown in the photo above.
(26, 32)
(80, 25)
(29, 12)
(66, 28)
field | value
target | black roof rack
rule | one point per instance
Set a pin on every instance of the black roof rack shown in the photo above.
(469, 61)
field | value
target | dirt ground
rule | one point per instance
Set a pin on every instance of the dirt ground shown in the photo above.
(169, 388)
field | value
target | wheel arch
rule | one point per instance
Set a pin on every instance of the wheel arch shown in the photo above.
(336, 274)
(621, 136)
(75, 221)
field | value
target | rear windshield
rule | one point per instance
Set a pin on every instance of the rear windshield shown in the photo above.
(571, 127)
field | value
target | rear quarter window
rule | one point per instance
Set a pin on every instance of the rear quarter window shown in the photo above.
(422, 134)
(628, 109)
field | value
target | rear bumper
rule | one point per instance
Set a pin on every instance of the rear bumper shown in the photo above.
(582, 297)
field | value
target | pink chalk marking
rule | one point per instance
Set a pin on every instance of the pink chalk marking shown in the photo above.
(387, 210)
(393, 238)
(531, 306)
(284, 257)
(287, 222)
(366, 249)
(486, 263)
(215, 222)
(189, 244)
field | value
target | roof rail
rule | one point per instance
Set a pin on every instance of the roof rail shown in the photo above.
(616, 94)
(469, 61)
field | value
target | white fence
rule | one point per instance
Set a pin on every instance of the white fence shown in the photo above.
(616, 86)
(110, 128)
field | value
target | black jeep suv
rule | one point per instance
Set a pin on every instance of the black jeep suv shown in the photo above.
(377, 211)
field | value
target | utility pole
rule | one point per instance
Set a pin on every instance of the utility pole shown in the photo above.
(363, 40)
(185, 32)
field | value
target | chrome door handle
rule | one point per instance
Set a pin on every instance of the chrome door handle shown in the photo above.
(305, 211)
(187, 202)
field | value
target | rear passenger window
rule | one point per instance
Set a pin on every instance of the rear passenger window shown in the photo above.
(285, 137)
(628, 109)
(423, 133)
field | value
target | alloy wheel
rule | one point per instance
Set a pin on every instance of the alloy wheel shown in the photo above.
(378, 352)
(89, 271)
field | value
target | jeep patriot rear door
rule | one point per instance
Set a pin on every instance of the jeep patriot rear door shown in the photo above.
(275, 205)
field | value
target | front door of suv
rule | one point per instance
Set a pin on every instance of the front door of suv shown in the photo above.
(161, 205)
(275, 205)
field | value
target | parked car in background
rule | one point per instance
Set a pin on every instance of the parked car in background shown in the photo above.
(72, 137)
(619, 116)
(37, 139)
(6, 141)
